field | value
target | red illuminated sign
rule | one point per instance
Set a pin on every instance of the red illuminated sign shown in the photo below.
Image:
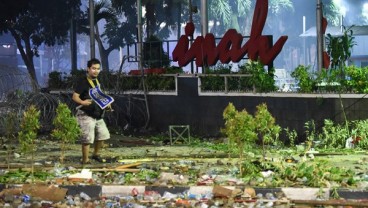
(205, 52)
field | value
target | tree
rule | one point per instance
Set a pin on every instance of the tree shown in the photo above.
(279, 13)
(44, 22)
(240, 129)
(30, 124)
(331, 12)
(154, 55)
(228, 13)
(10, 9)
(102, 11)
(118, 28)
(66, 128)
(340, 48)
(161, 15)
(266, 127)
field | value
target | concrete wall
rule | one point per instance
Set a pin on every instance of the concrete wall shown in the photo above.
(203, 111)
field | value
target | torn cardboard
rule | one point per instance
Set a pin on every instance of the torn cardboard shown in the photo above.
(49, 193)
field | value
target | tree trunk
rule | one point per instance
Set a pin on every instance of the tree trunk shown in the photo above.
(104, 55)
(27, 56)
(150, 18)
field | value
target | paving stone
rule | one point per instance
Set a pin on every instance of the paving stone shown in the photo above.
(353, 194)
(116, 190)
(162, 190)
(93, 191)
(306, 193)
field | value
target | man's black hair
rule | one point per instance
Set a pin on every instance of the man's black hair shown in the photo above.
(92, 62)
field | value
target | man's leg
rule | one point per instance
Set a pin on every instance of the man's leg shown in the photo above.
(85, 153)
(87, 125)
(102, 134)
(97, 147)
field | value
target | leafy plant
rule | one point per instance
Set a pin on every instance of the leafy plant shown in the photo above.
(292, 135)
(159, 82)
(146, 174)
(212, 81)
(305, 80)
(311, 135)
(357, 82)
(250, 169)
(20, 176)
(314, 174)
(28, 133)
(11, 123)
(261, 79)
(266, 127)
(359, 133)
(335, 193)
(334, 136)
(339, 48)
(174, 70)
(66, 128)
(328, 80)
(56, 80)
(240, 129)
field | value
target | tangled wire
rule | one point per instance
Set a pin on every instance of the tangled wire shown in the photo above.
(16, 95)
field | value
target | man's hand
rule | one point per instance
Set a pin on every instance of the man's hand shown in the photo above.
(86, 102)
(109, 108)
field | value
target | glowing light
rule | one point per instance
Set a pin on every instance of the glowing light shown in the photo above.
(365, 10)
(162, 25)
(340, 4)
(211, 23)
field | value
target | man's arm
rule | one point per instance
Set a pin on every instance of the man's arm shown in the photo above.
(76, 98)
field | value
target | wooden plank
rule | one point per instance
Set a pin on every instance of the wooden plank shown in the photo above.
(128, 165)
(128, 170)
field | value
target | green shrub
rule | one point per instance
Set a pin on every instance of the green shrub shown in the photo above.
(66, 128)
(304, 79)
(29, 127)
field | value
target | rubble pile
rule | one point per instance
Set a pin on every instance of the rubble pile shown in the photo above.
(52, 196)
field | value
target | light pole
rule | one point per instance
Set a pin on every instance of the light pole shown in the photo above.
(73, 40)
(319, 36)
(139, 29)
(204, 17)
(140, 58)
(92, 27)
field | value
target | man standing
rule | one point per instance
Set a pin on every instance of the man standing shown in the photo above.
(92, 102)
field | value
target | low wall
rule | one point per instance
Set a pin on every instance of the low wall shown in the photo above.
(203, 111)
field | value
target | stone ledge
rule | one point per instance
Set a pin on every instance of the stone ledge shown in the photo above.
(96, 191)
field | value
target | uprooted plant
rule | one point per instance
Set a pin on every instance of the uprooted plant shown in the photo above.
(27, 136)
(243, 129)
(240, 129)
(66, 128)
(266, 127)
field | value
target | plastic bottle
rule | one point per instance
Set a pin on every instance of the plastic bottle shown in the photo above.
(84, 196)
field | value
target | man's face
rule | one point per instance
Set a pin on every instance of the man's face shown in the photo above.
(94, 70)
